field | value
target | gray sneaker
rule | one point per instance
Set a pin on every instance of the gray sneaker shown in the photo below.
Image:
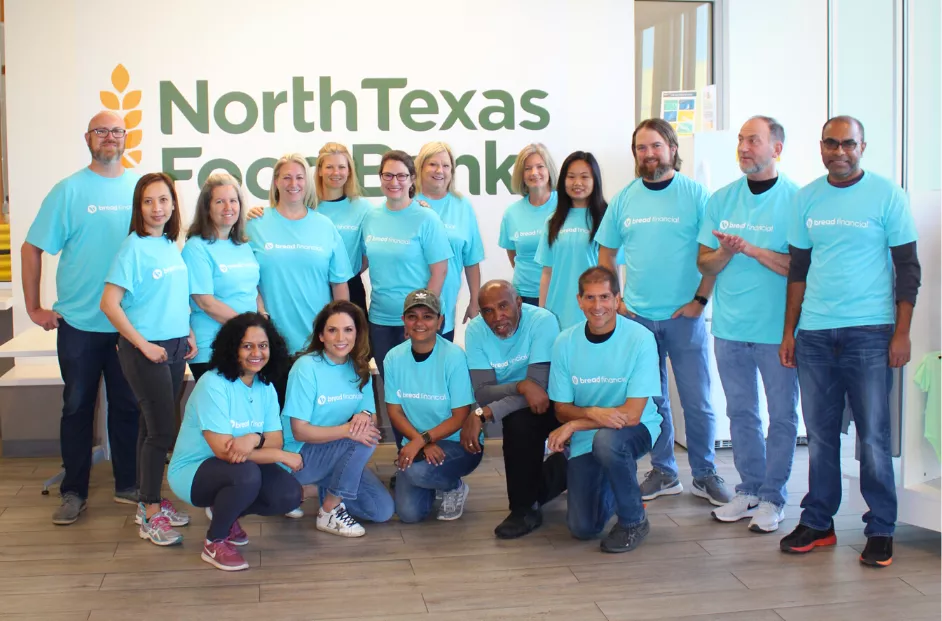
(713, 488)
(625, 539)
(126, 496)
(453, 502)
(69, 510)
(657, 483)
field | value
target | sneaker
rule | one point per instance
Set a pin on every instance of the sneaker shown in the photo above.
(295, 514)
(805, 539)
(176, 517)
(222, 555)
(878, 552)
(657, 483)
(713, 488)
(625, 539)
(69, 510)
(518, 524)
(339, 522)
(237, 536)
(766, 518)
(157, 529)
(209, 513)
(741, 506)
(453, 502)
(126, 496)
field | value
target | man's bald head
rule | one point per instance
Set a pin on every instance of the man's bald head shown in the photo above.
(106, 118)
(498, 285)
(500, 307)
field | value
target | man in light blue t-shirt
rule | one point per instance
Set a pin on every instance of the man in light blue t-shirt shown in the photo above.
(852, 286)
(744, 244)
(656, 221)
(509, 346)
(86, 217)
(603, 377)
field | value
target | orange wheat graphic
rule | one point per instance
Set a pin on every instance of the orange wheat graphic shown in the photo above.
(128, 103)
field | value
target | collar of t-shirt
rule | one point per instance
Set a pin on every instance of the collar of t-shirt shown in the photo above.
(657, 186)
(846, 184)
(597, 338)
(334, 200)
(421, 357)
(759, 187)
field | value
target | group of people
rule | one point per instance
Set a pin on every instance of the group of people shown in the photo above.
(812, 287)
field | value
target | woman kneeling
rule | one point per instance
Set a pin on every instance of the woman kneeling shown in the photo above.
(227, 454)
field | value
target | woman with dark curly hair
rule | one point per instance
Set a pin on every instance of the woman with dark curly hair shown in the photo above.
(230, 443)
(330, 419)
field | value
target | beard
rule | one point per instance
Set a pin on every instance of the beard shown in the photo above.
(659, 171)
(757, 165)
(99, 155)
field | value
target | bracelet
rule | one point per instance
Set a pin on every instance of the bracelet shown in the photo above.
(702, 300)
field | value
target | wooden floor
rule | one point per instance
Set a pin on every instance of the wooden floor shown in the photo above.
(690, 567)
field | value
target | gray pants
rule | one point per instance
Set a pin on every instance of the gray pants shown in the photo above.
(157, 389)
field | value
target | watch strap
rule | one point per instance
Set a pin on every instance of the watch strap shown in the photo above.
(699, 298)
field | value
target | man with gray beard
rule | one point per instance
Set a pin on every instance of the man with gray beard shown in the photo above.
(86, 216)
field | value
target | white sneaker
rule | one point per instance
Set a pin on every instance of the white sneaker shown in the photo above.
(339, 522)
(295, 514)
(741, 506)
(453, 502)
(766, 518)
(209, 513)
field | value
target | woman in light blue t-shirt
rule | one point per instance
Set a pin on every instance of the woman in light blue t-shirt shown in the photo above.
(524, 221)
(222, 268)
(146, 298)
(330, 420)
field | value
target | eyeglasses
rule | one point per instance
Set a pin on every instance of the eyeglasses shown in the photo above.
(101, 132)
(401, 177)
(831, 145)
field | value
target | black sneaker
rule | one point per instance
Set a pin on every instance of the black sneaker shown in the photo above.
(518, 524)
(625, 539)
(805, 539)
(878, 553)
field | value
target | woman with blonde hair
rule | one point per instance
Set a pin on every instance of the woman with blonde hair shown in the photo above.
(534, 178)
(302, 259)
(435, 166)
(223, 272)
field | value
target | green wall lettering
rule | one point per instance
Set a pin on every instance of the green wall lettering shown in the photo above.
(506, 110)
(223, 122)
(270, 103)
(383, 86)
(170, 155)
(327, 100)
(458, 113)
(542, 114)
(170, 97)
(408, 110)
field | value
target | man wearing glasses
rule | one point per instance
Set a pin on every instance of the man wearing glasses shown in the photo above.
(86, 216)
(852, 327)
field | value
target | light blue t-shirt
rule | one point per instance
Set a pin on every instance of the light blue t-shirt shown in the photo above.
(658, 231)
(298, 261)
(323, 394)
(429, 390)
(86, 217)
(532, 343)
(400, 246)
(223, 407)
(749, 298)
(521, 229)
(347, 215)
(156, 286)
(606, 374)
(461, 226)
(850, 232)
(226, 271)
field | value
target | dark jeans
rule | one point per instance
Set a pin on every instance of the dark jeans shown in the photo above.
(198, 369)
(448, 336)
(831, 363)
(531, 301)
(234, 490)
(281, 384)
(530, 479)
(417, 484)
(383, 339)
(358, 292)
(157, 388)
(83, 358)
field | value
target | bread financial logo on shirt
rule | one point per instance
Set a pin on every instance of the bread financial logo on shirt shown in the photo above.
(245, 424)
(271, 246)
(387, 240)
(598, 379)
(420, 395)
(93, 209)
(857, 224)
(629, 221)
(745, 226)
(234, 266)
(160, 273)
(126, 104)
(507, 363)
(519, 234)
(324, 399)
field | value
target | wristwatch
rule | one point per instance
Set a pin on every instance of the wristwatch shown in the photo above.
(261, 441)
(479, 412)
(426, 438)
(699, 298)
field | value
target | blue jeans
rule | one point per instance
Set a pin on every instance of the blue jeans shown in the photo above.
(340, 468)
(83, 358)
(605, 481)
(685, 341)
(764, 465)
(831, 363)
(416, 485)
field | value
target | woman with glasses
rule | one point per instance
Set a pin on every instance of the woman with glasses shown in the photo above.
(222, 268)
(436, 185)
(407, 249)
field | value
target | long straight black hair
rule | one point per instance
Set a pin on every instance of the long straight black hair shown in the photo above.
(596, 202)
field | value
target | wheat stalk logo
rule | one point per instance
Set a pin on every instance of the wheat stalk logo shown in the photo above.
(128, 103)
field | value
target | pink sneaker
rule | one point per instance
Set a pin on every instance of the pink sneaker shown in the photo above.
(237, 536)
(221, 555)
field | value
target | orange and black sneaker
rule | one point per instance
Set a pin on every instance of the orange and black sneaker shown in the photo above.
(878, 553)
(805, 539)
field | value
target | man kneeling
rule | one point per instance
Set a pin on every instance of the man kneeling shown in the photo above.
(603, 373)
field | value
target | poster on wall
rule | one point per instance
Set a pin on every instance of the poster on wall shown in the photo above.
(708, 108)
(679, 108)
